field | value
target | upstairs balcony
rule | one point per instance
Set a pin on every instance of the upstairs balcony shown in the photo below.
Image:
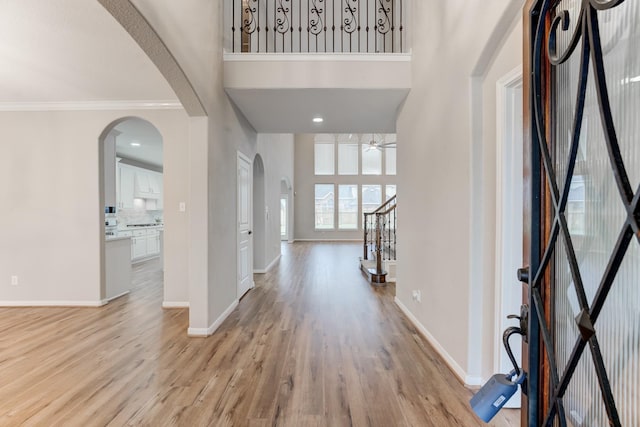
(288, 61)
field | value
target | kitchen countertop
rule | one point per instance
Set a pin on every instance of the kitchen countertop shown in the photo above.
(114, 238)
(155, 226)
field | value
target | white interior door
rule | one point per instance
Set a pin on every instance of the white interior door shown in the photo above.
(245, 241)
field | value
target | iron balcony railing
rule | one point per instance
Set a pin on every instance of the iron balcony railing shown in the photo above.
(317, 26)
(380, 234)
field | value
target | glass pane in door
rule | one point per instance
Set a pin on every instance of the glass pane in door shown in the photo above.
(596, 216)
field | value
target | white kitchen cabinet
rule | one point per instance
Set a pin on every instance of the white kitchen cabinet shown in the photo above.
(138, 247)
(126, 176)
(146, 184)
(153, 242)
(134, 182)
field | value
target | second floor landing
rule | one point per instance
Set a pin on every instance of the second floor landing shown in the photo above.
(287, 62)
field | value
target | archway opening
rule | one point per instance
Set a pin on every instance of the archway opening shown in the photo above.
(260, 216)
(131, 204)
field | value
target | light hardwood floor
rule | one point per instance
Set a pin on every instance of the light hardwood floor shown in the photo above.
(312, 345)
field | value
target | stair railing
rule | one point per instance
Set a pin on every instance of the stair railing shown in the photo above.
(380, 233)
(315, 26)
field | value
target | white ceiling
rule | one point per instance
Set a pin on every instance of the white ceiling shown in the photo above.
(72, 51)
(343, 110)
(138, 131)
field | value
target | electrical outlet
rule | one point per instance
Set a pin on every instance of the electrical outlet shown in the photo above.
(14, 280)
(182, 207)
(416, 295)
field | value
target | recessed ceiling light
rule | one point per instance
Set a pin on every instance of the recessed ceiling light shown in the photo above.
(135, 144)
(318, 120)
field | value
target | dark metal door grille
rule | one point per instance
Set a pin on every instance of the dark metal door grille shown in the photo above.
(548, 20)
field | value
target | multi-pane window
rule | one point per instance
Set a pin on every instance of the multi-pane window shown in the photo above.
(371, 158)
(347, 158)
(390, 191)
(325, 205)
(324, 158)
(390, 160)
(371, 197)
(348, 207)
(358, 164)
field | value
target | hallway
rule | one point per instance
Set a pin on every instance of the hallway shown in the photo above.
(312, 345)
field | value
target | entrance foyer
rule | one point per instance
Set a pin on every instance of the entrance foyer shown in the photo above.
(312, 344)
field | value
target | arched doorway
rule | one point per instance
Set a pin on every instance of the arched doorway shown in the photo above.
(260, 216)
(286, 210)
(131, 203)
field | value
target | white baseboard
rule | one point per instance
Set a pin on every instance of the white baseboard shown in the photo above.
(117, 296)
(205, 332)
(453, 365)
(98, 303)
(175, 304)
(270, 266)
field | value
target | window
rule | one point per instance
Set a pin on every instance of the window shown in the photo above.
(348, 207)
(347, 158)
(371, 157)
(390, 160)
(354, 175)
(371, 197)
(325, 206)
(390, 191)
(324, 160)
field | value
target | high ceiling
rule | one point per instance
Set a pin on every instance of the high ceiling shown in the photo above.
(71, 51)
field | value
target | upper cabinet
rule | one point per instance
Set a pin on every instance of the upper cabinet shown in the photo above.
(146, 184)
(138, 183)
(126, 175)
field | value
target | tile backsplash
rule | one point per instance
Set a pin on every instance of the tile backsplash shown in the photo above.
(138, 216)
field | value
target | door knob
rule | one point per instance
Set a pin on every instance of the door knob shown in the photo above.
(523, 274)
(249, 232)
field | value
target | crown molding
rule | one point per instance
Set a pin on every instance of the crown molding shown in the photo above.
(91, 105)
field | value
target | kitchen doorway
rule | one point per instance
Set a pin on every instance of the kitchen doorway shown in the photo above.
(131, 203)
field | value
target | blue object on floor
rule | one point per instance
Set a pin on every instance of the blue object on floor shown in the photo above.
(494, 394)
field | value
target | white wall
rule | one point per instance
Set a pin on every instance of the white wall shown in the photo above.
(435, 180)
(305, 192)
(508, 58)
(51, 211)
(192, 30)
(276, 151)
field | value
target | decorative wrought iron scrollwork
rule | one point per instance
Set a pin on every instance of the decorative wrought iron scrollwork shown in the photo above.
(383, 25)
(283, 24)
(316, 24)
(249, 21)
(350, 22)
(586, 34)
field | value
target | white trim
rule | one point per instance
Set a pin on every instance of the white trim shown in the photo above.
(508, 226)
(98, 303)
(205, 332)
(91, 105)
(450, 361)
(117, 296)
(270, 266)
(175, 304)
(336, 57)
(504, 86)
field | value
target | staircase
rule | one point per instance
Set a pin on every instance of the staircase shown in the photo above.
(379, 256)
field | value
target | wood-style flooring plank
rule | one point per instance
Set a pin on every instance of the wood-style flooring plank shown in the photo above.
(313, 344)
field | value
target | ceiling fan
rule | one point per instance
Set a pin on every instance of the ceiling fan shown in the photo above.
(381, 143)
